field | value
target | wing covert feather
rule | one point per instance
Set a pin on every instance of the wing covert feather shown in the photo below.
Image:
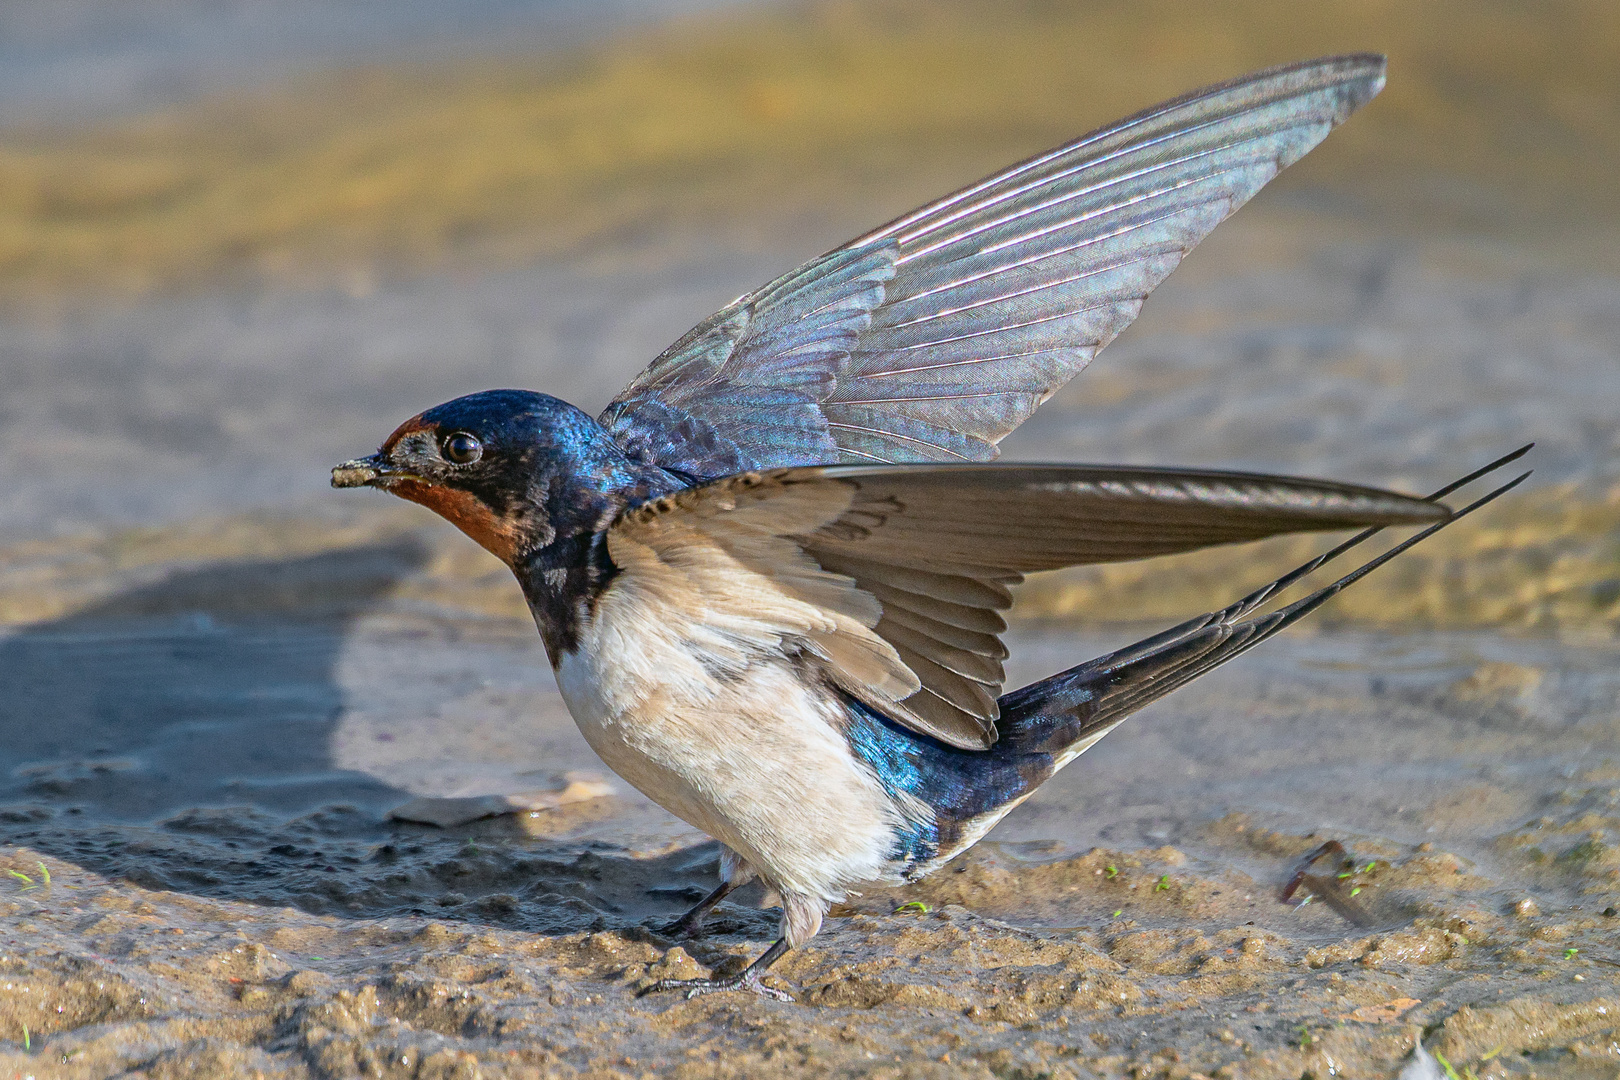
(894, 576)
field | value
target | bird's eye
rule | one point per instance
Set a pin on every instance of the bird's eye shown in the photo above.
(463, 449)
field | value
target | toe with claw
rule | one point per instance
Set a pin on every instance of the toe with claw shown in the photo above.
(748, 981)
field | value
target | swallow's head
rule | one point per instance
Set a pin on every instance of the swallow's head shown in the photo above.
(510, 468)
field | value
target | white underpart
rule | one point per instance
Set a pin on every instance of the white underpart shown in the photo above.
(1080, 746)
(708, 713)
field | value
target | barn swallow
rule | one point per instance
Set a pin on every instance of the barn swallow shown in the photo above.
(769, 576)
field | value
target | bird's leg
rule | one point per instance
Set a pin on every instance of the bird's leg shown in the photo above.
(689, 924)
(747, 979)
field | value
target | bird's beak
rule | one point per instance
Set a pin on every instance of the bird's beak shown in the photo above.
(370, 471)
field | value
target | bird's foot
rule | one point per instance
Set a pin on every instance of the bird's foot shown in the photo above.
(747, 980)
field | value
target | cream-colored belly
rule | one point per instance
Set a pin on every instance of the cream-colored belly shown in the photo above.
(754, 760)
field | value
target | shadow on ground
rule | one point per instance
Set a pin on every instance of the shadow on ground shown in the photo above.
(178, 736)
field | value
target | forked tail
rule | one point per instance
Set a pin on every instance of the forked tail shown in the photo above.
(1047, 724)
(1068, 712)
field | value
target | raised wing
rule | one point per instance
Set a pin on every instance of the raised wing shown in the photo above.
(933, 337)
(893, 577)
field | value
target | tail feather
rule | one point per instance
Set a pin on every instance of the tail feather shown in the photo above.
(1070, 711)
(1047, 724)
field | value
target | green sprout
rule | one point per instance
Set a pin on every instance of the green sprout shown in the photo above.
(1163, 883)
(1110, 872)
(1345, 874)
(28, 882)
(1368, 868)
(1355, 890)
(1468, 1071)
(28, 1042)
(912, 906)
(1305, 1037)
(1118, 913)
(1569, 954)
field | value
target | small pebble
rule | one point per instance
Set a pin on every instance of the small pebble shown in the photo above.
(1526, 909)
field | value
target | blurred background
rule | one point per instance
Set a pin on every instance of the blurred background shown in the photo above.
(240, 241)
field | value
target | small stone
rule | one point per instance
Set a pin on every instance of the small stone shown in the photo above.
(1526, 908)
(307, 983)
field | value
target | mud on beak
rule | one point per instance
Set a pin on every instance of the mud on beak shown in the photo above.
(361, 472)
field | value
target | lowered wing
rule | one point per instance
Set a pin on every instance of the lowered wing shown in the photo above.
(933, 337)
(894, 577)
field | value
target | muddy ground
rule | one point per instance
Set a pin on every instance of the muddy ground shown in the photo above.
(202, 879)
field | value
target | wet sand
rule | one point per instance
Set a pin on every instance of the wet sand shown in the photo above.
(218, 678)
(227, 895)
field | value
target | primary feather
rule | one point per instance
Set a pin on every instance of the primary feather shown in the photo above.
(933, 337)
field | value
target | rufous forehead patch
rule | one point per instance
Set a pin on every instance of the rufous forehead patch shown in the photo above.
(409, 427)
(466, 512)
